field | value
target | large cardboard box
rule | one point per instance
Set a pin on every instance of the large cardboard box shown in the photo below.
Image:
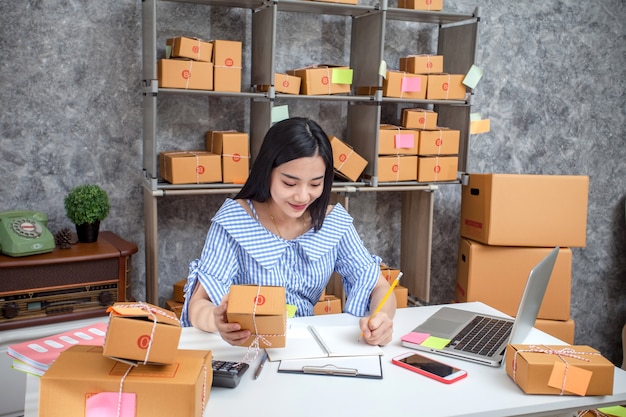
(442, 141)
(227, 61)
(559, 370)
(142, 333)
(82, 379)
(397, 168)
(430, 5)
(525, 210)
(283, 83)
(446, 87)
(329, 304)
(561, 329)
(179, 291)
(497, 275)
(185, 74)
(196, 49)
(323, 79)
(261, 309)
(419, 119)
(346, 161)
(234, 149)
(422, 64)
(190, 167)
(402, 296)
(396, 140)
(437, 168)
(401, 84)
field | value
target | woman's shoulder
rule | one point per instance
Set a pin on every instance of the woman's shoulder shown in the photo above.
(233, 210)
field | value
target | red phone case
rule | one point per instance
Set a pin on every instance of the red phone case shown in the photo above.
(396, 361)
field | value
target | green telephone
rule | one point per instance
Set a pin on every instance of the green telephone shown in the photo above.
(24, 233)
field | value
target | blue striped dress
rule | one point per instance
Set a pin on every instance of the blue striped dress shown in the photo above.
(240, 250)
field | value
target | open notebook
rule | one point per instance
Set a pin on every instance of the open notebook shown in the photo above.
(305, 342)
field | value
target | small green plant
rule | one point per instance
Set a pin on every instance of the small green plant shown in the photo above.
(86, 204)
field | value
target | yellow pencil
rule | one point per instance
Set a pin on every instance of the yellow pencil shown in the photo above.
(384, 300)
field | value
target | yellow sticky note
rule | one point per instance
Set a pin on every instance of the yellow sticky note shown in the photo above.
(479, 126)
(435, 342)
(291, 310)
(570, 378)
(382, 69)
(280, 113)
(473, 76)
(341, 76)
(616, 410)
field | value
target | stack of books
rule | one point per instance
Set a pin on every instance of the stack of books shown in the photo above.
(35, 356)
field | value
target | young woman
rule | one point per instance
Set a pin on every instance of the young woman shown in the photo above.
(280, 230)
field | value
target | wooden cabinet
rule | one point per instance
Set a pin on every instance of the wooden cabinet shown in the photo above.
(456, 38)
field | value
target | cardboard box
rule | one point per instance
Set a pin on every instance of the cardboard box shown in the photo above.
(525, 210)
(401, 84)
(234, 149)
(190, 167)
(431, 5)
(82, 375)
(192, 48)
(323, 79)
(446, 87)
(227, 63)
(397, 168)
(540, 370)
(328, 305)
(396, 140)
(263, 308)
(437, 168)
(402, 296)
(419, 119)
(346, 161)
(562, 330)
(497, 275)
(179, 290)
(442, 141)
(142, 333)
(422, 64)
(283, 83)
(389, 273)
(185, 74)
(175, 306)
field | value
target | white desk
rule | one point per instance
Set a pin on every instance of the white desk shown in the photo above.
(486, 392)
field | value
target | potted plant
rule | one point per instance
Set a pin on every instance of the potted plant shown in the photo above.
(86, 205)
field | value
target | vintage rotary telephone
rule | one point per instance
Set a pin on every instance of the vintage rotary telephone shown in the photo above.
(24, 233)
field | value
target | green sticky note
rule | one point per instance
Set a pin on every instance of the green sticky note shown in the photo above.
(473, 76)
(435, 342)
(382, 69)
(280, 113)
(616, 410)
(291, 310)
(475, 116)
(341, 76)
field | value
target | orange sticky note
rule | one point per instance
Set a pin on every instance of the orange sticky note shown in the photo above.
(479, 126)
(575, 380)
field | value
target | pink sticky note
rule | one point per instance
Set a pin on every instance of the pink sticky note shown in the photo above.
(404, 140)
(415, 337)
(104, 404)
(411, 85)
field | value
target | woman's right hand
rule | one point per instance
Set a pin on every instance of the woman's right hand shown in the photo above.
(230, 332)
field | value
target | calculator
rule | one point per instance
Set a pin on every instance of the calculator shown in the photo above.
(228, 373)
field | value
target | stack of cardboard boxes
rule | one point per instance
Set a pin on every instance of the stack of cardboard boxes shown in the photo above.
(137, 372)
(509, 223)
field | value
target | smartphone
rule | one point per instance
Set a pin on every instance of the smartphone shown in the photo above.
(431, 368)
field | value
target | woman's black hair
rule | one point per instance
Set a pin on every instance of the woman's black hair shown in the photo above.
(289, 139)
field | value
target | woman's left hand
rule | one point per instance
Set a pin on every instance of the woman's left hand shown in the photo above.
(377, 329)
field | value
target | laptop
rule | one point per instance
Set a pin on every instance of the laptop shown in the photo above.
(482, 338)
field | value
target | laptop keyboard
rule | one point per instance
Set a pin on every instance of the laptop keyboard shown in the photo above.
(482, 336)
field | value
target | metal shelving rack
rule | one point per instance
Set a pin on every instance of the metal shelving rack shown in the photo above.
(457, 40)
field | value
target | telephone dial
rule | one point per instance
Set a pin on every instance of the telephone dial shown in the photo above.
(24, 233)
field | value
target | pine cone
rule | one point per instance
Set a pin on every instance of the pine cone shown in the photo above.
(63, 238)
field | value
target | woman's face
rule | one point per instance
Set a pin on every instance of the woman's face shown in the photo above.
(296, 184)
